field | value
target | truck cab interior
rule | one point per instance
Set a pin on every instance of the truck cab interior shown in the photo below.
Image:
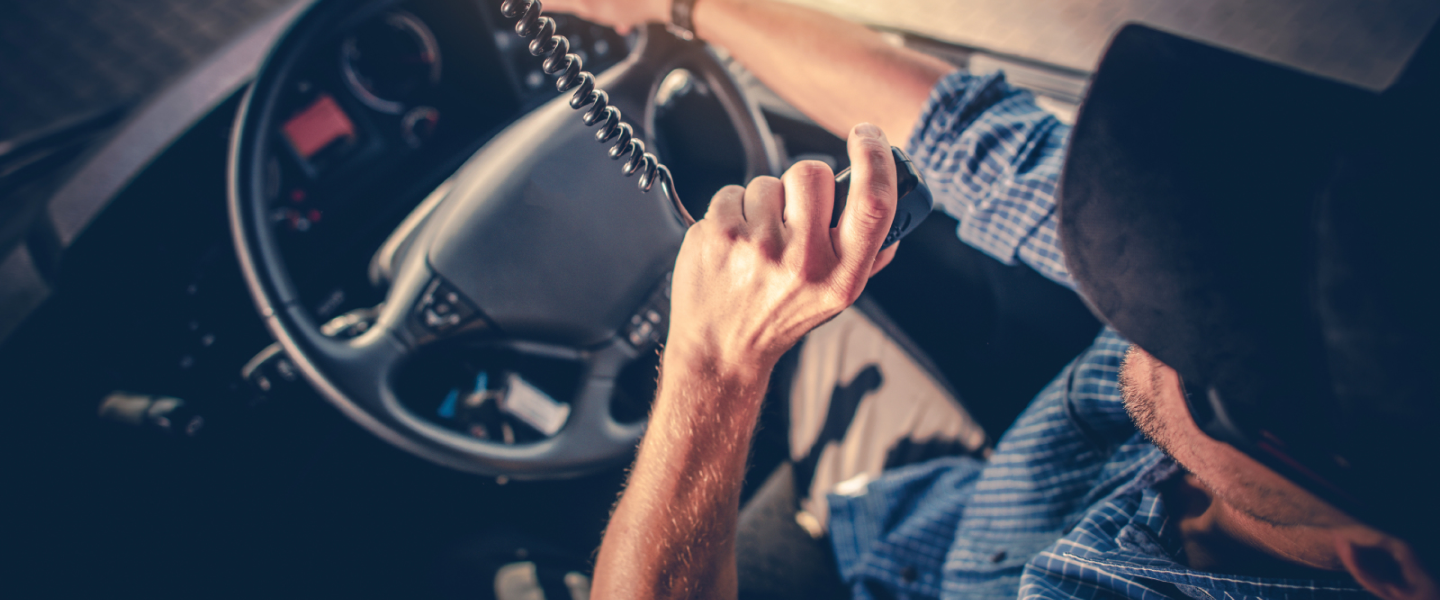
(345, 300)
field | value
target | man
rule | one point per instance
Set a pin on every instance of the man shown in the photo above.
(1261, 466)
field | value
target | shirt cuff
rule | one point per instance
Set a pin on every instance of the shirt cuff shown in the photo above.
(992, 158)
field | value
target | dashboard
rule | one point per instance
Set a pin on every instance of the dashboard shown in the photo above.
(381, 114)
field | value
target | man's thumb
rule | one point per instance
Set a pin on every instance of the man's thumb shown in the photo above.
(870, 207)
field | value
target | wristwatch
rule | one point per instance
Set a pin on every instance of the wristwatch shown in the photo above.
(682, 18)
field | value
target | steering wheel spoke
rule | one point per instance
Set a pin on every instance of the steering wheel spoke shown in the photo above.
(587, 435)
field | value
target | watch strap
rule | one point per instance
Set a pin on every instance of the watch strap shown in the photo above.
(682, 17)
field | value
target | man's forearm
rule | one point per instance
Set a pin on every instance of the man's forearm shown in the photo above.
(673, 532)
(837, 72)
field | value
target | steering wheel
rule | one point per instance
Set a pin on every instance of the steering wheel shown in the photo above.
(538, 242)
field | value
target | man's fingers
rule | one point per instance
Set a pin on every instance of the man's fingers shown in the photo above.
(884, 258)
(765, 205)
(810, 196)
(870, 207)
(727, 206)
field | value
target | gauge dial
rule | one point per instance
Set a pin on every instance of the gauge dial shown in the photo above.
(388, 60)
(418, 125)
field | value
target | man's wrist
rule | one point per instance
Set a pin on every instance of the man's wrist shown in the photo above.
(696, 362)
(706, 403)
(696, 11)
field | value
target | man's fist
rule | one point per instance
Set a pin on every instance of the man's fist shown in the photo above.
(764, 267)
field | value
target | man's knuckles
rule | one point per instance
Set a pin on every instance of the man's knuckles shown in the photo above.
(731, 191)
(763, 183)
(808, 176)
(725, 205)
(764, 201)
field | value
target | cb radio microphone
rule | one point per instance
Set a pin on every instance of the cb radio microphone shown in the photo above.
(914, 201)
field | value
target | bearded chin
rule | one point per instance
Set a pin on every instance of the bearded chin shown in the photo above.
(1138, 393)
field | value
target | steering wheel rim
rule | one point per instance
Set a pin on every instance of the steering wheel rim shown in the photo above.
(462, 226)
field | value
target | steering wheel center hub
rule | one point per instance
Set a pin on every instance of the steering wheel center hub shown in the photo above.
(550, 243)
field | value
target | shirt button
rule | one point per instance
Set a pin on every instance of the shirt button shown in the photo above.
(909, 575)
(999, 556)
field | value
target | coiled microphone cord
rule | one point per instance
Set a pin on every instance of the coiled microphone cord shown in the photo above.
(540, 30)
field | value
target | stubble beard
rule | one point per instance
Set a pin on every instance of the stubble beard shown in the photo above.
(1139, 395)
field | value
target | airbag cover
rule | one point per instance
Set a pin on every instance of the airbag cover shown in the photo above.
(548, 238)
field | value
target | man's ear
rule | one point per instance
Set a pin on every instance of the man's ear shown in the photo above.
(1386, 566)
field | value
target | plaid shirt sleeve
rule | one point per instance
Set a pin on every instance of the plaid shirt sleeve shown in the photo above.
(992, 158)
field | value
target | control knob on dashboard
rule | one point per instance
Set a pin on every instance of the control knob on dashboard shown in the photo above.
(418, 125)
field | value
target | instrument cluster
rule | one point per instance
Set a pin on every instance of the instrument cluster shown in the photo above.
(368, 100)
(382, 112)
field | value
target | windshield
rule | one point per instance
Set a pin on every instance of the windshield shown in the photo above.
(1363, 43)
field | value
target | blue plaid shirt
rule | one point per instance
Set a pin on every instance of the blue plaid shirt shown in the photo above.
(1066, 507)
